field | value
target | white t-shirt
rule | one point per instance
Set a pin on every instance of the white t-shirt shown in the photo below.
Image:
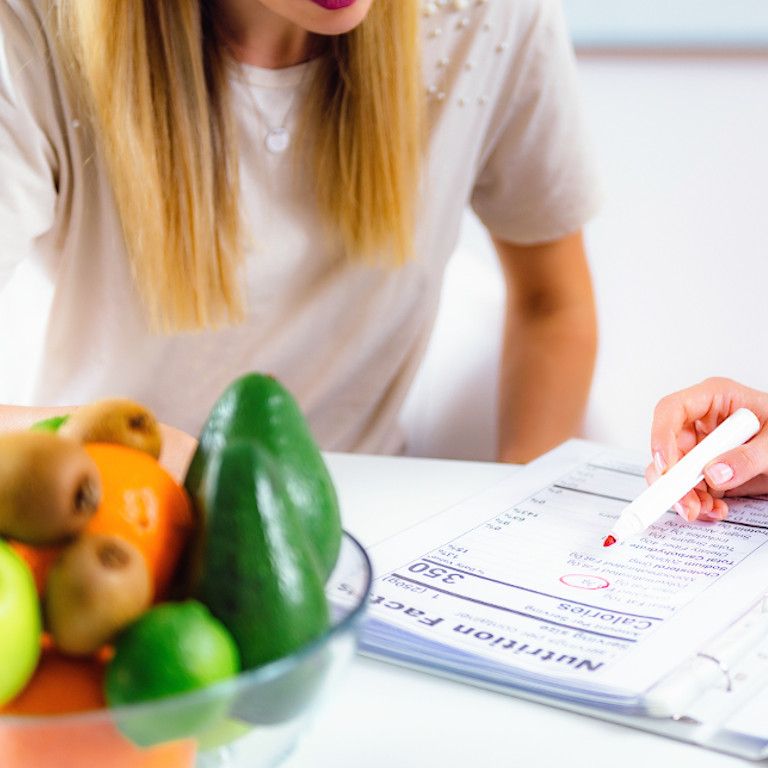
(505, 135)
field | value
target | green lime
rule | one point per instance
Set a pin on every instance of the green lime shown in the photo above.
(173, 648)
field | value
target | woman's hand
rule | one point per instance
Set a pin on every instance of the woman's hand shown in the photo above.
(177, 451)
(684, 418)
(175, 456)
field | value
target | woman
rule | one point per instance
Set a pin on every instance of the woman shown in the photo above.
(200, 188)
(683, 418)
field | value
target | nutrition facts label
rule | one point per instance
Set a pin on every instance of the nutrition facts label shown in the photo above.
(519, 575)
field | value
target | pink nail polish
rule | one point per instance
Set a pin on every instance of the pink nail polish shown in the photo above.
(678, 507)
(658, 462)
(719, 473)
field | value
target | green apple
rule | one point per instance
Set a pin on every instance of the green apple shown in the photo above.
(19, 623)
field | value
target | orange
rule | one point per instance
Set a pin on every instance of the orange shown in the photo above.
(140, 502)
(61, 685)
(85, 744)
(39, 559)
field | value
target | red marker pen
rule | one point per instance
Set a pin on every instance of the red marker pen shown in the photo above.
(668, 489)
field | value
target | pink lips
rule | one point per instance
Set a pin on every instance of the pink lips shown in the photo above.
(334, 5)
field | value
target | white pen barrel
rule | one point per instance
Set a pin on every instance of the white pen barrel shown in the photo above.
(732, 433)
(688, 472)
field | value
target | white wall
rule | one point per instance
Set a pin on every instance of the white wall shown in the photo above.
(681, 23)
(679, 256)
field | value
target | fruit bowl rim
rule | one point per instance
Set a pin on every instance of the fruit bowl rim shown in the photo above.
(266, 672)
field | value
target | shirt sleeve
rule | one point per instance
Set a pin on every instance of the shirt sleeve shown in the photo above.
(536, 180)
(28, 167)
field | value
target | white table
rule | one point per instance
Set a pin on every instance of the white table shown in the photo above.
(383, 716)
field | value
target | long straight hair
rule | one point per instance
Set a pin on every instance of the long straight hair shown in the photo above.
(155, 75)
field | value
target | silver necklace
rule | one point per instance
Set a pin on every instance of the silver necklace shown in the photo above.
(278, 137)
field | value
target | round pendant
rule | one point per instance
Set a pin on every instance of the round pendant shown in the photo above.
(277, 140)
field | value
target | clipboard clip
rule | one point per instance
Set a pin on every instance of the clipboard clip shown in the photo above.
(673, 695)
(721, 666)
(758, 615)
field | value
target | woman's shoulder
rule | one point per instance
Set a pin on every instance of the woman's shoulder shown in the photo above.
(472, 49)
(31, 74)
(475, 34)
(25, 47)
(446, 17)
(25, 22)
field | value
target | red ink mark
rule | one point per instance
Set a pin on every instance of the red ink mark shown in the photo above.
(609, 540)
(584, 581)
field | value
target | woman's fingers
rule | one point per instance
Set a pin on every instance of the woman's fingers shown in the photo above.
(689, 506)
(718, 512)
(740, 466)
(706, 503)
(684, 418)
(757, 486)
(673, 431)
(720, 508)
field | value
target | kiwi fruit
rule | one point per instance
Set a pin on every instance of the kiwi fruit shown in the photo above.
(115, 421)
(96, 587)
(49, 487)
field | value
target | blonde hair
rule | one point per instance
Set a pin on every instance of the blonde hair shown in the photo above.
(155, 77)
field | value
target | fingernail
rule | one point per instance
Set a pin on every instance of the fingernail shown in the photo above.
(678, 507)
(719, 473)
(658, 462)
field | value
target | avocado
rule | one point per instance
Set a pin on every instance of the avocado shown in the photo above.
(254, 569)
(259, 408)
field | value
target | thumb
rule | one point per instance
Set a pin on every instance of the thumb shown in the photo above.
(740, 465)
(757, 486)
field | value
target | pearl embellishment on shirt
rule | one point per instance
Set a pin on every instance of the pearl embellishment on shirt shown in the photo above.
(431, 8)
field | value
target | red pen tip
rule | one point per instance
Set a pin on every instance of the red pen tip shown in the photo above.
(608, 541)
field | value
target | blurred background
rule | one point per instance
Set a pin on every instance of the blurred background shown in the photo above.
(676, 97)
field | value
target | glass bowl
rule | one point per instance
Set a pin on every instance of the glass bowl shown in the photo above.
(251, 721)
